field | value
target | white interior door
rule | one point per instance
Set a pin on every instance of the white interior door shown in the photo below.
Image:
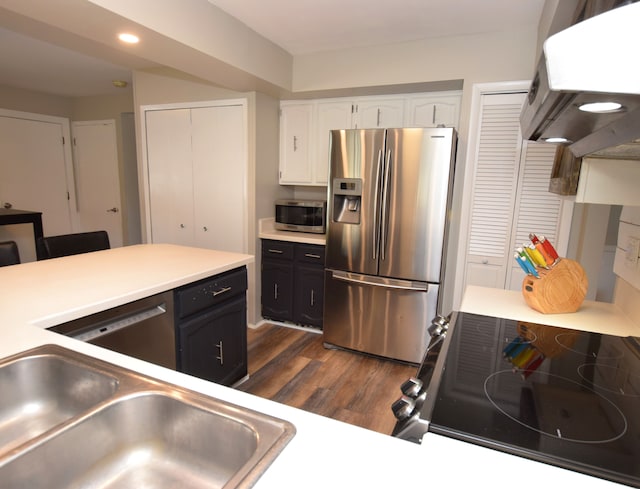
(97, 178)
(35, 175)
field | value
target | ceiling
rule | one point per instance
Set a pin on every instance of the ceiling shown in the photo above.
(298, 26)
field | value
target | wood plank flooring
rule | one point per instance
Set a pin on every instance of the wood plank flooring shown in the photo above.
(292, 367)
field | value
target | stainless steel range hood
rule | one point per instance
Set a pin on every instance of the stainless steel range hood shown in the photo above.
(592, 61)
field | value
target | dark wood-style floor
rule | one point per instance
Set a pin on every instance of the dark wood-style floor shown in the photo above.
(292, 367)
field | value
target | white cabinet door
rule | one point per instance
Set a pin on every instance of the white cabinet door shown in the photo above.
(219, 163)
(295, 143)
(433, 111)
(169, 159)
(378, 112)
(329, 116)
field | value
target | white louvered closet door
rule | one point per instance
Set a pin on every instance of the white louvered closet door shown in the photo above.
(537, 210)
(509, 195)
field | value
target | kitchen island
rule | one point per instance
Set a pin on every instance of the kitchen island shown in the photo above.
(323, 453)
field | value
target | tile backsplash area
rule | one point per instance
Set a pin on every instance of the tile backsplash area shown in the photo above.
(627, 263)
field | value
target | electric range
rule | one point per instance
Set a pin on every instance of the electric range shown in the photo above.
(564, 397)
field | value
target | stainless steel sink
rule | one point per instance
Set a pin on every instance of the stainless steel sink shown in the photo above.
(42, 391)
(142, 433)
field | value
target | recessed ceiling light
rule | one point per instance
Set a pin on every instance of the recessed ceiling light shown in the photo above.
(128, 38)
(557, 140)
(600, 107)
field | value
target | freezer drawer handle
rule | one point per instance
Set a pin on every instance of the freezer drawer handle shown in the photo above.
(379, 281)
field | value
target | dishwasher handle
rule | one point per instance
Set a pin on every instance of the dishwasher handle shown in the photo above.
(109, 326)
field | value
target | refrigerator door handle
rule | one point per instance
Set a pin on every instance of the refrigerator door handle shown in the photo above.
(375, 281)
(384, 228)
(376, 216)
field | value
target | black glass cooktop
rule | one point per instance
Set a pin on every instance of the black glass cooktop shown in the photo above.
(560, 396)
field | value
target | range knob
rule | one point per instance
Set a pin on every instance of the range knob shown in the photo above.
(439, 326)
(411, 387)
(403, 408)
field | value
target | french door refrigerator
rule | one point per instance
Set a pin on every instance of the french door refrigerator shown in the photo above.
(388, 201)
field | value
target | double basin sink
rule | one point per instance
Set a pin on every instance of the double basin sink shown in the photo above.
(70, 420)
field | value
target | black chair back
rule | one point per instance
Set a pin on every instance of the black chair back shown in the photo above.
(9, 254)
(72, 244)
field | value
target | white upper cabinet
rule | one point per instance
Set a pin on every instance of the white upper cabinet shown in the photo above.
(295, 143)
(378, 112)
(329, 116)
(433, 111)
(305, 126)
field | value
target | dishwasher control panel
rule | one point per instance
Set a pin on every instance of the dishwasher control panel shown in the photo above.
(210, 291)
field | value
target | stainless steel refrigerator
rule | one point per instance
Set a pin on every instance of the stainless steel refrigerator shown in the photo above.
(388, 201)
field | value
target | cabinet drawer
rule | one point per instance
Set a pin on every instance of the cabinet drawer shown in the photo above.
(310, 254)
(210, 291)
(277, 249)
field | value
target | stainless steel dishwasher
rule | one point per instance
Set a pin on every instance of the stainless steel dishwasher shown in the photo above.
(142, 329)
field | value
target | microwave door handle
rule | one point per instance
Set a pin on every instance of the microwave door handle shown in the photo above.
(376, 214)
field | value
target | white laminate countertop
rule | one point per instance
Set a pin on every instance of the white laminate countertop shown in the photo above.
(323, 453)
(266, 230)
(600, 317)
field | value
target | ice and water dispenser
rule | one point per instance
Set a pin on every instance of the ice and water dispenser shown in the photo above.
(347, 200)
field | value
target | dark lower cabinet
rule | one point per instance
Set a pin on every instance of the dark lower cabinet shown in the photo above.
(309, 296)
(293, 282)
(211, 328)
(277, 290)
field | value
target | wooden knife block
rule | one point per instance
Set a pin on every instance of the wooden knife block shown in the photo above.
(558, 290)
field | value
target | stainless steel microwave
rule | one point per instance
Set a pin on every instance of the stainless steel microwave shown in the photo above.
(308, 216)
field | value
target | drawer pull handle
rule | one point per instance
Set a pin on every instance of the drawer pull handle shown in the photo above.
(311, 255)
(221, 356)
(221, 291)
(279, 252)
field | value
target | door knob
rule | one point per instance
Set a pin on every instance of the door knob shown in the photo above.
(113, 209)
